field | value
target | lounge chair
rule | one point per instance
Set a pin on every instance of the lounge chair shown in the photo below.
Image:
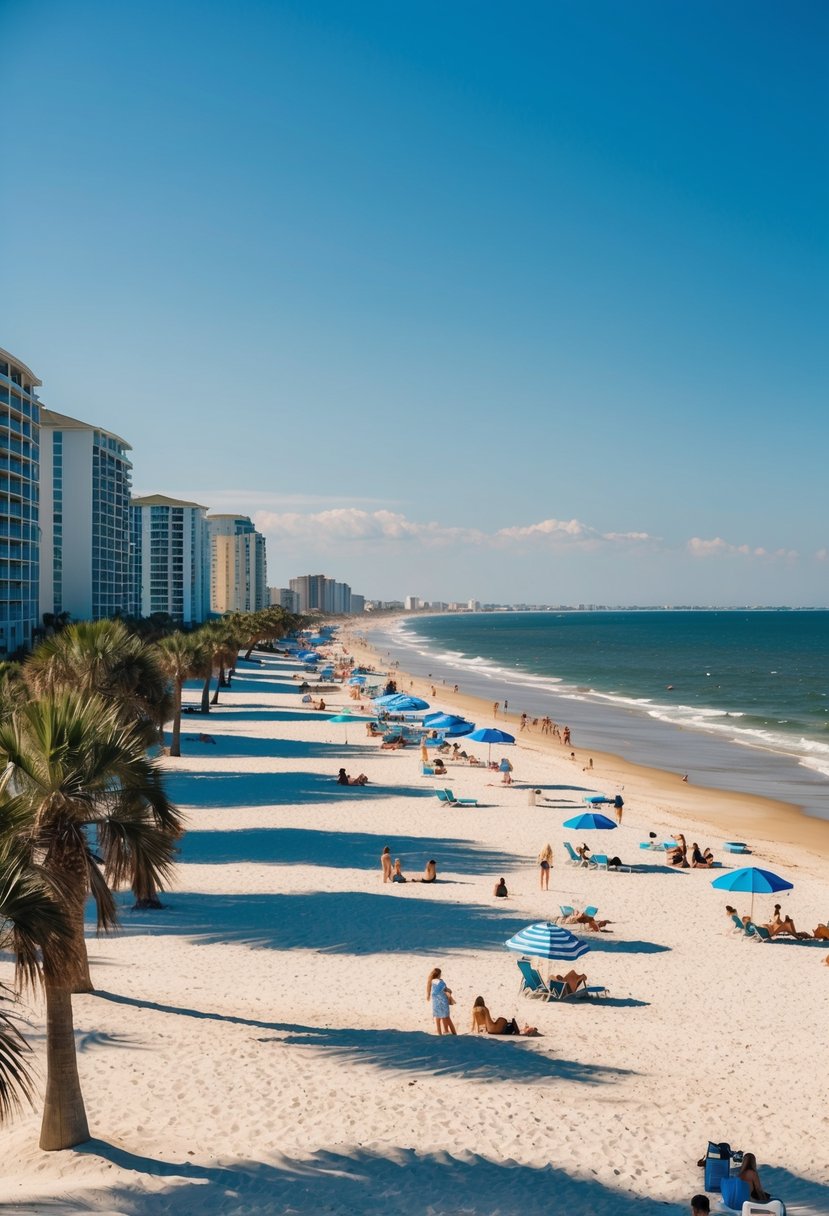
(559, 991)
(591, 911)
(531, 982)
(599, 862)
(739, 927)
(441, 795)
(573, 857)
(566, 911)
(759, 933)
(427, 770)
(450, 798)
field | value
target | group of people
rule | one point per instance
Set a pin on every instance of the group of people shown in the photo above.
(781, 925)
(344, 779)
(482, 1020)
(701, 1205)
(393, 871)
(700, 859)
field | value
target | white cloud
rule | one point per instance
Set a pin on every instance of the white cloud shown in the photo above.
(822, 555)
(717, 547)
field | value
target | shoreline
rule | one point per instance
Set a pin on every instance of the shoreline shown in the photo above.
(751, 816)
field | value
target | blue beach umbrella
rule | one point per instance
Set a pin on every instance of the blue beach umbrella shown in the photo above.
(404, 703)
(545, 940)
(359, 680)
(588, 820)
(490, 735)
(753, 879)
(449, 724)
(346, 718)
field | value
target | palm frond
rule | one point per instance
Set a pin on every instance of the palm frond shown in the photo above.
(16, 1085)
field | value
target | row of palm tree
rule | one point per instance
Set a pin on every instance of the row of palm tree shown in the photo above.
(83, 811)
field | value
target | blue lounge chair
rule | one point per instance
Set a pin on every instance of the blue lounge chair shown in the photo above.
(560, 992)
(450, 798)
(739, 927)
(758, 933)
(441, 795)
(573, 857)
(591, 911)
(427, 770)
(531, 982)
(566, 911)
(599, 862)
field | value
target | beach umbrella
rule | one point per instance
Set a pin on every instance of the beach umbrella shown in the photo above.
(405, 704)
(548, 941)
(490, 735)
(347, 717)
(753, 879)
(449, 724)
(589, 820)
(357, 680)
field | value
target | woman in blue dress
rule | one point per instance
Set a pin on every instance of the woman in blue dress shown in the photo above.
(440, 996)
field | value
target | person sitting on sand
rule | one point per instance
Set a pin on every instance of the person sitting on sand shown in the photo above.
(484, 1023)
(700, 860)
(344, 779)
(748, 1173)
(319, 704)
(783, 924)
(385, 863)
(581, 918)
(430, 873)
(397, 874)
(500, 889)
(821, 933)
(392, 745)
(678, 856)
(440, 768)
(572, 979)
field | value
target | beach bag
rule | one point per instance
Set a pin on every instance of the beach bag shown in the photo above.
(717, 1165)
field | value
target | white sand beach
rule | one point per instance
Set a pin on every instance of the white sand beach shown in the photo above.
(264, 1044)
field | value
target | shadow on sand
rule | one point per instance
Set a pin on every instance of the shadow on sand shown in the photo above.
(336, 922)
(343, 1183)
(204, 789)
(338, 850)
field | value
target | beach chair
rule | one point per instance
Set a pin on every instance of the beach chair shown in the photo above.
(758, 933)
(426, 770)
(566, 911)
(572, 855)
(531, 982)
(441, 796)
(591, 911)
(560, 992)
(738, 926)
(599, 862)
(450, 798)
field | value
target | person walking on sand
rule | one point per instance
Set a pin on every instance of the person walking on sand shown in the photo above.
(385, 863)
(495, 709)
(441, 998)
(565, 738)
(545, 864)
(618, 803)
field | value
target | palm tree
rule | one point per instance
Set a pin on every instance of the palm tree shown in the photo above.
(75, 767)
(29, 917)
(104, 657)
(76, 772)
(180, 658)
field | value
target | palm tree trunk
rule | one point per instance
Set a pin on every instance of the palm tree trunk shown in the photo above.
(175, 743)
(64, 1117)
(77, 964)
(205, 695)
(220, 679)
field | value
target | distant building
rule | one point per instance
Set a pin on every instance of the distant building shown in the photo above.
(474, 605)
(170, 559)
(19, 494)
(283, 597)
(358, 603)
(85, 485)
(238, 569)
(412, 603)
(317, 593)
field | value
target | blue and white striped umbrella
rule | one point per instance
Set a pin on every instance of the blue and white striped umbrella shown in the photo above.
(543, 940)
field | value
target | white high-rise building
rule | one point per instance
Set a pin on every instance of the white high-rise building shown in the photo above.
(19, 490)
(412, 603)
(170, 558)
(85, 483)
(238, 566)
(283, 597)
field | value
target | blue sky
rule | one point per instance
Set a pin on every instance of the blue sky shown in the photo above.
(456, 299)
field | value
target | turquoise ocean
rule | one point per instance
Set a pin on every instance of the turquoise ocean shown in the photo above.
(739, 700)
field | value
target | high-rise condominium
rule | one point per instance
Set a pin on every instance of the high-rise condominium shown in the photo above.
(238, 571)
(19, 474)
(170, 559)
(85, 481)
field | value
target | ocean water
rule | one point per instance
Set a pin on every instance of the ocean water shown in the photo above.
(739, 700)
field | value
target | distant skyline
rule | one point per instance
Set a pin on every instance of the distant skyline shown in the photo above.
(453, 301)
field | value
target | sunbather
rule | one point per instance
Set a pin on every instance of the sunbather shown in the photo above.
(397, 873)
(783, 924)
(822, 933)
(344, 779)
(581, 918)
(700, 860)
(584, 853)
(748, 1173)
(572, 979)
(484, 1023)
(430, 873)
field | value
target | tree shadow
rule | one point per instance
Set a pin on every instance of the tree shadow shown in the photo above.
(342, 1183)
(338, 850)
(211, 789)
(471, 1057)
(335, 922)
(227, 745)
(99, 1038)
